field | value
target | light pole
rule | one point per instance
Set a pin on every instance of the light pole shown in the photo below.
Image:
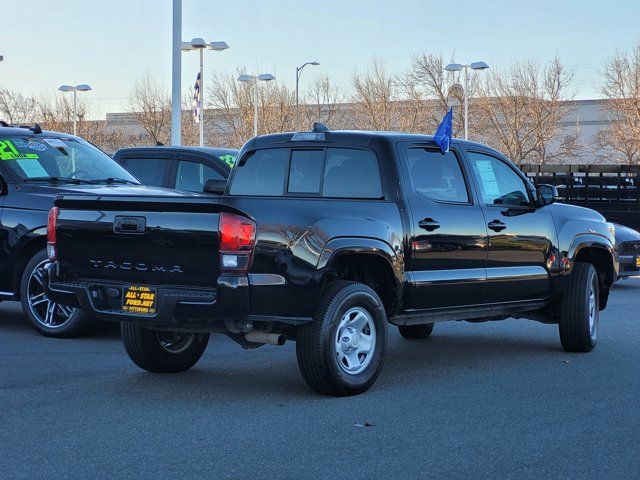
(263, 77)
(298, 71)
(176, 72)
(200, 45)
(456, 67)
(83, 87)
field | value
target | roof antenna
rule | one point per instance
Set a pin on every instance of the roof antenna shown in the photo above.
(320, 127)
(36, 129)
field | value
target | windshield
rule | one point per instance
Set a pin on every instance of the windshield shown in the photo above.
(59, 158)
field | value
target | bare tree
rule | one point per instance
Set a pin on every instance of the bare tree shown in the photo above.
(522, 111)
(17, 108)
(150, 106)
(621, 88)
(437, 90)
(381, 101)
(323, 103)
(231, 118)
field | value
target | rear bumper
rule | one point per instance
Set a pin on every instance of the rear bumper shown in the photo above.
(175, 305)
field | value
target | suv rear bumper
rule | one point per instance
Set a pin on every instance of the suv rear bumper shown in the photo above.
(174, 304)
(628, 265)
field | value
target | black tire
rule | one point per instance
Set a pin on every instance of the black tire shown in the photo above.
(579, 311)
(49, 319)
(150, 350)
(415, 332)
(322, 364)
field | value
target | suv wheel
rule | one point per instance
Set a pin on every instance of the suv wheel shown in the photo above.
(48, 318)
(414, 332)
(163, 352)
(580, 310)
(342, 351)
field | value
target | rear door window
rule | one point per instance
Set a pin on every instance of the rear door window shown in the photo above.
(350, 173)
(436, 175)
(192, 176)
(150, 171)
(262, 173)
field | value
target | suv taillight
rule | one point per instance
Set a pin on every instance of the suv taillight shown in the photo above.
(237, 239)
(52, 223)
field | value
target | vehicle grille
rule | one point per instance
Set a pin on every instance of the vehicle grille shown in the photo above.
(629, 248)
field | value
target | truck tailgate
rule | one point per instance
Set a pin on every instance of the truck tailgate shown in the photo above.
(150, 240)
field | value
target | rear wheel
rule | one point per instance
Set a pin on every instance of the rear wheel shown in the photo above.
(163, 352)
(580, 310)
(49, 318)
(341, 353)
(414, 332)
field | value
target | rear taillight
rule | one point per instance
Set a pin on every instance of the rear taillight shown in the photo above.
(52, 223)
(237, 239)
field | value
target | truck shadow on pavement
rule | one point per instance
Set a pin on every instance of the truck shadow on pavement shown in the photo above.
(244, 377)
(13, 320)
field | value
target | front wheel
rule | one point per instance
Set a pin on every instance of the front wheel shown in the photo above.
(580, 310)
(48, 318)
(162, 352)
(342, 351)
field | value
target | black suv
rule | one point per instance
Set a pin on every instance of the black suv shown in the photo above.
(326, 237)
(35, 166)
(180, 168)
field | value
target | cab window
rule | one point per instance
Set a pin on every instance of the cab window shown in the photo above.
(351, 173)
(261, 173)
(436, 175)
(499, 184)
(305, 172)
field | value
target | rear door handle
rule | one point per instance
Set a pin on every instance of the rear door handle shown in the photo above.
(496, 225)
(429, 224)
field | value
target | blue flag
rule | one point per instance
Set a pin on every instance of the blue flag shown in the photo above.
(444, 132)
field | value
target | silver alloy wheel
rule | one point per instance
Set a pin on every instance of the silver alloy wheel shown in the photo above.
(175, 342)
(594, 314)
(46, 313)
(355, 341)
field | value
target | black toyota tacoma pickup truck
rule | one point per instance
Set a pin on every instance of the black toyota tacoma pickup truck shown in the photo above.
(326, 237)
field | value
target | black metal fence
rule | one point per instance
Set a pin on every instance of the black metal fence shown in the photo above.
(613, 190)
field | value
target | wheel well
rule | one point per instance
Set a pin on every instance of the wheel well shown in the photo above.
(601, 260)
(370, 269)
(27, 252)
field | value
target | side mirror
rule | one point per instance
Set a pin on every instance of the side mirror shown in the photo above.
(215, 186)
(547, 194)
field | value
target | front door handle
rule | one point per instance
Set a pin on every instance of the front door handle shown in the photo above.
(496, 225)
(429, 224)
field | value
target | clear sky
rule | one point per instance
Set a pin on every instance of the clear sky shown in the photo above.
(111, 43)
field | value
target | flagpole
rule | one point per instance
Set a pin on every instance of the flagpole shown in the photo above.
(200, 100)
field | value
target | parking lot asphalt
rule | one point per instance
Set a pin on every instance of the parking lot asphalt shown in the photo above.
(489, 400)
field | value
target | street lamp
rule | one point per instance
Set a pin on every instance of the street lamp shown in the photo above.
(298, 72)
(456, 67)
(263, 77)
(83, 87)
(200, 45)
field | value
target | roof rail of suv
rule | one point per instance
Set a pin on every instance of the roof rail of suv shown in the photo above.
(35, 128)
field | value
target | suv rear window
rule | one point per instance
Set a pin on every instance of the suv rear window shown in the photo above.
(330, 172)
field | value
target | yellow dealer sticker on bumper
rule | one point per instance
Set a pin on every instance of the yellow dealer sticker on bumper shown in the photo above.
(139, 299)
